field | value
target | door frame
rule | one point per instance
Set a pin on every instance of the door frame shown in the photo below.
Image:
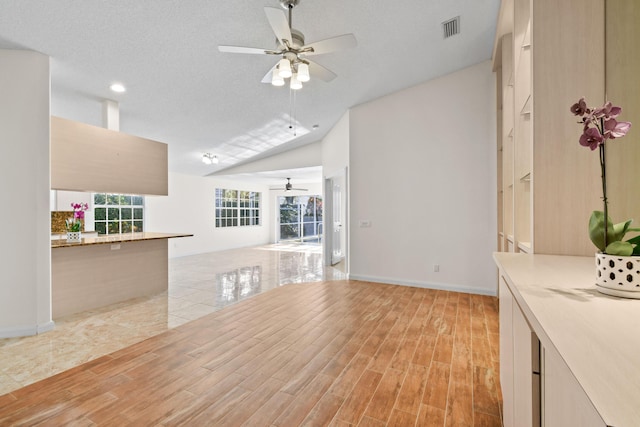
(341, 175)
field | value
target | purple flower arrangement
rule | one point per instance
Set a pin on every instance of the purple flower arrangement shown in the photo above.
(74, 224)
(599, 126)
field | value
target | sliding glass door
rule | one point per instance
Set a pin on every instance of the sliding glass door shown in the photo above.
(300, 218)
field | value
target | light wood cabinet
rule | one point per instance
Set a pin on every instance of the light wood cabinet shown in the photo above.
(506, 352)
(623, 63)
(544, 64)
(566, 356)
(519, 364)
(565, 403)
(89, 158)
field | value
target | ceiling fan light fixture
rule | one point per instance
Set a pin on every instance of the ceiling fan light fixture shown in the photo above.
(295, 83)
(209, 159)
(303, 72)
(284, 68)
(276, 80)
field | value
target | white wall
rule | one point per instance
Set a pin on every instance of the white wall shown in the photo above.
(422, 170)
(335, 147)
(25, 257)
(189, 208)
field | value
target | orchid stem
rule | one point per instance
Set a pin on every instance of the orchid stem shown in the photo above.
(604, 187)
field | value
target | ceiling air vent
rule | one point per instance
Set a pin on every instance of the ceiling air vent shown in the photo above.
(451, 27)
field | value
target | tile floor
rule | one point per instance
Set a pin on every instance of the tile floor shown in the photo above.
(198, 285)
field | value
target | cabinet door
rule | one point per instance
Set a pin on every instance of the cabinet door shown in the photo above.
(524, 400)
(564, 401)
(506, 351)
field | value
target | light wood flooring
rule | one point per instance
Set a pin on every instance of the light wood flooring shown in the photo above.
(333, 353)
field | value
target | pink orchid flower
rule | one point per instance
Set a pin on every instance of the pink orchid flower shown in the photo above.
(591, 138)
(614, 129)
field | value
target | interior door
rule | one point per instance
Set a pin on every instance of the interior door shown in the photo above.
(337, 254)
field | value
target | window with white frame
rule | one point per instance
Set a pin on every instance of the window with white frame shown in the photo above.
(235, 208)
(118, 213)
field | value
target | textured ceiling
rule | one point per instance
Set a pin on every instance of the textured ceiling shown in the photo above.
(182, 91)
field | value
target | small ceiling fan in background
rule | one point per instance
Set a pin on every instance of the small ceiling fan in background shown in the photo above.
(289, 187)
(290, 46)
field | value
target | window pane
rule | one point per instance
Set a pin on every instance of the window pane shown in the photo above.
(289, 231)
(101, 227)
(137, 200)
(125, 200)
(137, 213)
(127, 226)
(114, 213)
(99, 199)
(137, 226)
(114, 227)
(112, 199)
(125, 213)
(100, 213)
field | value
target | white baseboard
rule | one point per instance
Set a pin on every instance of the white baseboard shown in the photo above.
(25, 331)
(426, 285)
(46, 327)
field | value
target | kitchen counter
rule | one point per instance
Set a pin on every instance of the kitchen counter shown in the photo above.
(114, 238)
(104, 270)
(595, 334)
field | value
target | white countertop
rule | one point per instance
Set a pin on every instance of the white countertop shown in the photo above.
(598, 336)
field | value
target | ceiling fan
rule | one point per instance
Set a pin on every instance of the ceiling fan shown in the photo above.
(290, 46)
(289, 187)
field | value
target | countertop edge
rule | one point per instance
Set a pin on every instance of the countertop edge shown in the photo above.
(117, 238)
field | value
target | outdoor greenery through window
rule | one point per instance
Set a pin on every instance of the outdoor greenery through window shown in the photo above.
(118, 213)
(235, 208)
(301, 218)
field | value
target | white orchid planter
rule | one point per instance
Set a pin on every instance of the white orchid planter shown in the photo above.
(618, 275)
(74, 236)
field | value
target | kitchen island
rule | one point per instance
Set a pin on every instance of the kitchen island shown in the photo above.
(103, 270)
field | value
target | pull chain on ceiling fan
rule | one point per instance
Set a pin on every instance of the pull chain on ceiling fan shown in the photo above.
(291, 47)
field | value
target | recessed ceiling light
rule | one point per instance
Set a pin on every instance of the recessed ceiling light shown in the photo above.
(314, 127)
(118, 87)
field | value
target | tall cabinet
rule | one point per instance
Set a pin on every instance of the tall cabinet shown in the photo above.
(545, 59)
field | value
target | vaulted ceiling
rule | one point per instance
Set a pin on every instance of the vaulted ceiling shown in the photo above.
(182, 91)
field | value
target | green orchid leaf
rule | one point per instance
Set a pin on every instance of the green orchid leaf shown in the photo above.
(634, 240)
(636, 250)
(596, 230)
(620, 248)
(619, 230)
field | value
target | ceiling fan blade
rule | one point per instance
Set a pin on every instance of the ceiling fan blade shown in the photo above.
(279, 24)
(318, 71)
(267, 77)
(242, 49)
(345, 41)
